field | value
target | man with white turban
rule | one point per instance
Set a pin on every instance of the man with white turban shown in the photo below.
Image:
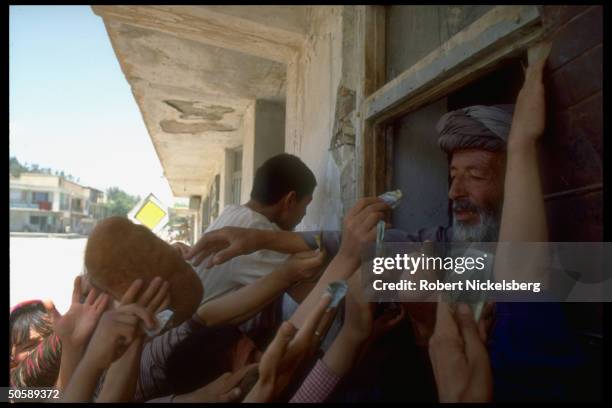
(475, 137)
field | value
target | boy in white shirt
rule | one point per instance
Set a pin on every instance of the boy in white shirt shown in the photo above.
(282, 189)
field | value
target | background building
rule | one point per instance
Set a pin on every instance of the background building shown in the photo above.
(48, 203)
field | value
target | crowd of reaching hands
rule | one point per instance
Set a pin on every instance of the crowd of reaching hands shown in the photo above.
(113, 351)
(102, 339)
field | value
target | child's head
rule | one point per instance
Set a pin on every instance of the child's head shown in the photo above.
(119, 252)
(35, 349)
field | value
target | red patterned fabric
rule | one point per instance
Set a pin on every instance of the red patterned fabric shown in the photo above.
(317, 386)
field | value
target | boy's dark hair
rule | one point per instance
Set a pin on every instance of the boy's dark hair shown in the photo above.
(280, 175)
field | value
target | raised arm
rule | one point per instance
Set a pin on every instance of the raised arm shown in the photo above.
(76, 327)
(122, 376)
(238, 306)
(359, 330)
(459, 357)
(229, 242)
(359, 228)
(116, 330)
(524, 216)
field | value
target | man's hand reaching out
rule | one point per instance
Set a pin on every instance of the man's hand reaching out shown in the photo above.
(459, 357)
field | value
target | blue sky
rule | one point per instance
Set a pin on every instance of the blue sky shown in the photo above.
(71, 108)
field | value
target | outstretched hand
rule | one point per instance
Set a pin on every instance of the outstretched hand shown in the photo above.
(285, 354)
(304, 265)
(224, 244)
(182, 248)
(359, 321)
(459, 357)
(529, 119)
(76, 326)
(359, 227)
(119, 327)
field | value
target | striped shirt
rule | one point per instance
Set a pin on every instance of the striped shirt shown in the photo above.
(319, 384)
(152, 381)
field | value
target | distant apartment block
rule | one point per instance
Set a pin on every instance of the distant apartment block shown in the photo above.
(47, 203)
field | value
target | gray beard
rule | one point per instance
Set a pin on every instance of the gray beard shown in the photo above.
(486, 230)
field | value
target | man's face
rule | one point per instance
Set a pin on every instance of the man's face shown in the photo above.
(476, 190)
(293, 214)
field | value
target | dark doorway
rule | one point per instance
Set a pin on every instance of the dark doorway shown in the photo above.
(500, 86)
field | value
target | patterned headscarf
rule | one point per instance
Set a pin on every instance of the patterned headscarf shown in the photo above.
(40, 367)
(475, 127)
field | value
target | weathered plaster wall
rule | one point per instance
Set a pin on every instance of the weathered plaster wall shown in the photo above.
(224, 175)
(248, 151)
(269, 131)
(263, 136)
(315, 79)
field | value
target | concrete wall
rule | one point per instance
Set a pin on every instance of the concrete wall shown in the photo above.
(18, 220)
(269, 131)
(56, 201)
(263, 129)
(314, 78)
(224, 174)
(38, 180)
(248, 151)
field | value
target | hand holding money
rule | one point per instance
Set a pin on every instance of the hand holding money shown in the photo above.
(360, 228)
(393, 198)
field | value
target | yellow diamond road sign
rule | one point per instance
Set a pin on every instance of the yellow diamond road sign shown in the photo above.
(151, 213)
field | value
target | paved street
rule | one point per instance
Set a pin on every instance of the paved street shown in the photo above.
(44, 268)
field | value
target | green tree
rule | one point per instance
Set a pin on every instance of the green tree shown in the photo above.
(119, 203)
(16, 168)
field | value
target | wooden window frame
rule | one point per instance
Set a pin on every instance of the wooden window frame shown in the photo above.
(502, 33)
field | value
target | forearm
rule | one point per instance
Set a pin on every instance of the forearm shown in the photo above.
(340, 268)
(238, 306)
(258, 394)
(287, 242)
(328, 372)
(122, 376)
(524, 215)
(71, 356)
(523, 219)
(83, 383)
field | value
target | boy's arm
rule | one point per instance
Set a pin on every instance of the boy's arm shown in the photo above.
(122, 376)
(238, 306)
(359, 229)
(229, 242)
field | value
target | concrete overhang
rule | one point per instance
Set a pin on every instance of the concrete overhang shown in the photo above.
(194, 70)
